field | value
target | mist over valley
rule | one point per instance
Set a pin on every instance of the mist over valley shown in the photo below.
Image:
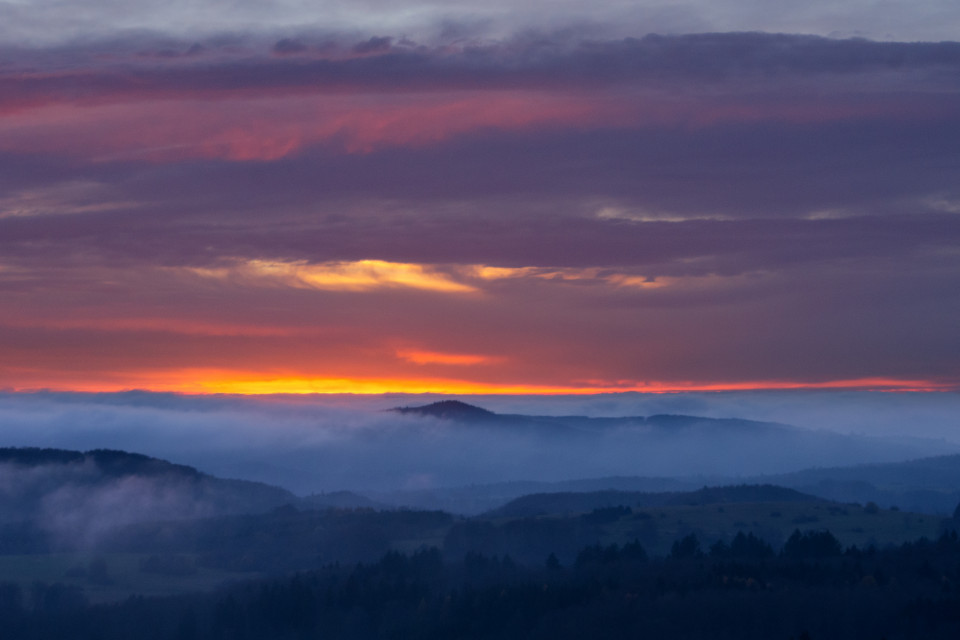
(312, 445)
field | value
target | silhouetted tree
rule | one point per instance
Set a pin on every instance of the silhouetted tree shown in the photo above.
(812, 544)
(687, 547)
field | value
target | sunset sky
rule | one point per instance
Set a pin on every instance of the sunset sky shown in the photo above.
(461, 197)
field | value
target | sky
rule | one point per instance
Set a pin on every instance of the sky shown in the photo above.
(377, 196)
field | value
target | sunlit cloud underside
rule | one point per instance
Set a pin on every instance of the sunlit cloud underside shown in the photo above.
(368, 275)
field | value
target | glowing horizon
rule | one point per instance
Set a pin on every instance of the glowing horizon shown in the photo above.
(376, 386)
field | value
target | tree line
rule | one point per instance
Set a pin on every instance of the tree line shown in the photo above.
(811, 588)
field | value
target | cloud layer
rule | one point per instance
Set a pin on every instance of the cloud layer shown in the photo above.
(51, 21)
(564, 210)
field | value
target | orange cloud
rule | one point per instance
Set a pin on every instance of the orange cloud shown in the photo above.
(417, 356)
(268, 129)
(250, 128)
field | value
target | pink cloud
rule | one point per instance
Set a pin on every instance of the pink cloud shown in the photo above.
(268, 129)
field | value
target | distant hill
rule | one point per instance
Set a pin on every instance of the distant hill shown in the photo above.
(571, 502)
(535, 454)
(927, 485)
(107, 462)
(476, 499)
(450, 410)
(338, 500)
(457, 411)
(938, 472)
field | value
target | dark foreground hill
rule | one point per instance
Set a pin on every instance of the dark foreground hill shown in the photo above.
(77, 496)
(813, 588)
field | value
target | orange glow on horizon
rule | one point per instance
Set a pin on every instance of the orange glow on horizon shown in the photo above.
(204, 383)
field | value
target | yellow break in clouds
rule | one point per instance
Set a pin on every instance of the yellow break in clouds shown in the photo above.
(368, 275)
(360, 275)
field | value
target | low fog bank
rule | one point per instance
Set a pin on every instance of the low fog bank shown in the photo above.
(933, 415)
(316, 444)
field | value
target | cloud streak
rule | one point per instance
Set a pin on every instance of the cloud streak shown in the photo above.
(53, 21)
(256, 107)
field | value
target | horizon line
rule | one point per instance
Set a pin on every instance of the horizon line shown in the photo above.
(289, 386)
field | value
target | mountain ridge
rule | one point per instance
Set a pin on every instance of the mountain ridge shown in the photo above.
(459, 411)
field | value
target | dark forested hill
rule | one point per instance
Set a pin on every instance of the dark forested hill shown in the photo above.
(77, 496)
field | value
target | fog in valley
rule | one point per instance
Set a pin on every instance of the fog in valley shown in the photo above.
(320, 444)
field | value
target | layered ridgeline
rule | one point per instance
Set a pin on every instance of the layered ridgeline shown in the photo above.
(927, 485)
(663, 453)
(74, 498)
(176, 518)
(152, 526)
